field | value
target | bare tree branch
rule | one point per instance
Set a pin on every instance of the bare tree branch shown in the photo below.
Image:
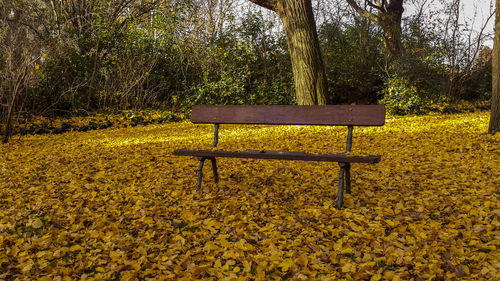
(378, 5)
(268, 4)
(362, 12)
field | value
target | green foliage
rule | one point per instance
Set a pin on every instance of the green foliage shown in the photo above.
(229, 89)
(352, 65)
(401, 97)
(166, 54)
(418, 79)
(414, 83)
(254, 71)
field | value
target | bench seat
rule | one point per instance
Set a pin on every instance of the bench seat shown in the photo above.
(312, 115)
(280, 155)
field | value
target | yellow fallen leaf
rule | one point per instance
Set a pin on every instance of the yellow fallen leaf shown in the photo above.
(348, 267)
(37, 223)
(286, 264)
(100, 269)
(346, 251)
(75, 248)
(27, 267)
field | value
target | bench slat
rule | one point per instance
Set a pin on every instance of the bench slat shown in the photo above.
(333, 115)
(280, 155)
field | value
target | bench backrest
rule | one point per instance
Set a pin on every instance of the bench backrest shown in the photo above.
(333, 115)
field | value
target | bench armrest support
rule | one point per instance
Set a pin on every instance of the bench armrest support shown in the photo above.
(216, 135)
(349, 139)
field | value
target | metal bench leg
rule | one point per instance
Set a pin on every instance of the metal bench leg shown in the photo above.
(348, 178)
(214, 169)
(340, 194)
(200, 172)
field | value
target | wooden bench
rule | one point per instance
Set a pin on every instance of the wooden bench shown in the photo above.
(331, 115)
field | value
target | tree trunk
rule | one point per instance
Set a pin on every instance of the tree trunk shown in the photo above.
(389, 18)
(392, 37)
(15, 67)
(391, 24)
(495, 99)
(90, 93)
(19, 83)
(303, 45)
(363, 33)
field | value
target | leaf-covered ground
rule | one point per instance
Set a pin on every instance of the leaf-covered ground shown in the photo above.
(115, 204)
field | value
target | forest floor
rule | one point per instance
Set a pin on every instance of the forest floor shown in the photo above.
(114, 204)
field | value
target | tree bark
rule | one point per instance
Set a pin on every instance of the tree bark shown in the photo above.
(19, 83)
(389, 18)
(15, 68)
(90, 93)
(495, 99)
(303, 44)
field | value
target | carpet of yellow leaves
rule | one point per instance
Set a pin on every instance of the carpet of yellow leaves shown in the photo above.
(115, 204)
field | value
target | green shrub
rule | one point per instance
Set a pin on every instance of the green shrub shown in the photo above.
(401, 97)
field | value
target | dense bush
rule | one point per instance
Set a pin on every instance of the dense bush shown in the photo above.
(352, 65)
(402, 98)
(35, 125)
